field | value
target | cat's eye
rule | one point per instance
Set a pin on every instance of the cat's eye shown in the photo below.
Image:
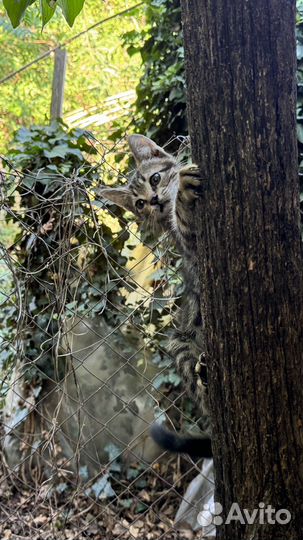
(155, 179)
(140, 203)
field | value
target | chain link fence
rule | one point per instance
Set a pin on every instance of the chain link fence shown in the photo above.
(88, 304)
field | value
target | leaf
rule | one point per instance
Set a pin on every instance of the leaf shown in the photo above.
(158, 3)
(24, 135)
(299, 51)
(61, 487)
(71, 305)
(37, 390)
(102, 488)
(141, 507)
(15, 9)
(126, 503)
(70, 9)
(29, 181)
(134, 531)
(159, 380)
(75, 152)
(83, 472)
(175, 93)
(57, 151)
(300, 132)
(174, 378)
(99, 204)
(113, 451)
(132, 473)
(19, 417)
(52, 167)
(62, 150)
(99, 305)
(32, 305)
(46, 11)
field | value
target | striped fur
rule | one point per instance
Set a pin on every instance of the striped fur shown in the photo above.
(164, 193)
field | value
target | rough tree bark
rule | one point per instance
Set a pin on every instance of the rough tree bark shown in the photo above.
(241, 65)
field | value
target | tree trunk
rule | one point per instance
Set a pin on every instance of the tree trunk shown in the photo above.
(241, 65)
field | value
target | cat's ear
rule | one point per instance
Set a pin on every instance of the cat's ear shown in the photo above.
(120, 196)
(144, 148)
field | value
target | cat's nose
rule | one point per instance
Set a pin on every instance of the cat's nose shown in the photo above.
(154, 200)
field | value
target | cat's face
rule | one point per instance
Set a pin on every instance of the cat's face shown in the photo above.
(149, 193)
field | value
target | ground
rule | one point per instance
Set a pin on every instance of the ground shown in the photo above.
(38, 512)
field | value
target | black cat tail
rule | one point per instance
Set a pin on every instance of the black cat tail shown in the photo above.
(168, 440)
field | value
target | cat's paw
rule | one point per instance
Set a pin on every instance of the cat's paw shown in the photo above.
(190, 183)
(201, 370)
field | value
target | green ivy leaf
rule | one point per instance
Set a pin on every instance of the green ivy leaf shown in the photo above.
(102, 488)
(159, 380)
(113, 451)
(20, 416)
(75, 152)
(25, 135)
(300, 132)
(70, 9)
(46, 11)
(174, 378)
(16, 9)
(57, 151)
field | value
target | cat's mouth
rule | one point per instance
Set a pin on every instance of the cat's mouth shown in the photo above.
(160, 206)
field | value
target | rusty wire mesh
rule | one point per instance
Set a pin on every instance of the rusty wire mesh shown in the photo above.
(86, 368)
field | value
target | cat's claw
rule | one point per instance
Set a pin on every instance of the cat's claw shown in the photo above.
(201, 370)
(191, 184)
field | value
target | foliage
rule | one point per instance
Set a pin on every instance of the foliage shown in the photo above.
(68, 258)
(47, 199)
(161, 100)
(98, 68)
(69, 8)
(161, 93)
(63, 232)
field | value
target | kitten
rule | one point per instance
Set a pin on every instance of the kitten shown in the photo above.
(163, 194)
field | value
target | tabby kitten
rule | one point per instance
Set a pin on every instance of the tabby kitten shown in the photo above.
(163, 194)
